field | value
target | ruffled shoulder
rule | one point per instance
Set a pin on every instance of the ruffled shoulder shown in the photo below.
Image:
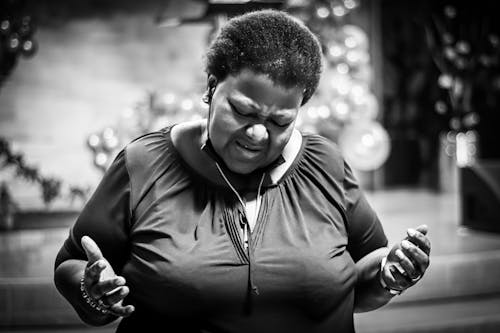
(320, 168)
(322, 157)
(148, 157)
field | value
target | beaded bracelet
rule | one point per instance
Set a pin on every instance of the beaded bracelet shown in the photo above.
(90, 300)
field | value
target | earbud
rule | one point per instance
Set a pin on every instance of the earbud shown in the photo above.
(212, 84)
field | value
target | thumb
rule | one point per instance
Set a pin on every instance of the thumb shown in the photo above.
(91, 249)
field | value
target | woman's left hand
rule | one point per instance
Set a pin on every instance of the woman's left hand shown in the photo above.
(408, 260)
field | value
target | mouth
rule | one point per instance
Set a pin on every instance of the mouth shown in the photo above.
(251, 148)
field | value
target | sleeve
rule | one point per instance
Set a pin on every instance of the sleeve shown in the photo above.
(365, 232)
(105, 218)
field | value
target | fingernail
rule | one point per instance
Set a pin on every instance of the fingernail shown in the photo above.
(101, 265)
(423, 228)
(399, 254)
(405, 244)
(412, 232)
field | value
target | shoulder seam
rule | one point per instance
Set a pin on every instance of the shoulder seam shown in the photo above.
(131, 199)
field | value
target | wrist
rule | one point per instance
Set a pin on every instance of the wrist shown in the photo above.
(391, 291)
(90, 301)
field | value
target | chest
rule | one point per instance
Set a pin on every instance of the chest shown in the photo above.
(188, 245)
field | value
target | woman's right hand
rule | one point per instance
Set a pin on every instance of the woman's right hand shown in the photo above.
(101, 282)
(408, 260)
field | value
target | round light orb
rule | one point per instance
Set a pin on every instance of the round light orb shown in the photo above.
(365, 146)
(335, 51)
(445, 81)
(28, 48)
(350, 4)
(5, 27)
(187, 105)
(340, 109)
(354, 36)
(365, 107)
(322, 12)
(13, 43)
(111, 143)
(93, 141)
(101, 159)
(462, 47)
(450, 11)
(440, 107)
(339, 11)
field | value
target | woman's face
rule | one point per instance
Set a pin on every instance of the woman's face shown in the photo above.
(251, 120)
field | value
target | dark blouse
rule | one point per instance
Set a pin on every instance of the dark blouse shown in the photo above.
(175, 237)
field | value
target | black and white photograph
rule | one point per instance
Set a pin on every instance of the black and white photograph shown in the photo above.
(240, 166)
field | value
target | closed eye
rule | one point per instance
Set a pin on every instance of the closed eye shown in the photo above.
(282, 123)
(235, 110)
(279, 124)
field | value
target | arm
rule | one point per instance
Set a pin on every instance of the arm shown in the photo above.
(411, 254)
(405, 263)
(370, 294)
(105, 218)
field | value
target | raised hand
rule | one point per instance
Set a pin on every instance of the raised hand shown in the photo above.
(408, 260)
(102, 284)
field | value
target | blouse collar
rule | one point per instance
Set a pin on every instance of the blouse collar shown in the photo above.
(273, 172)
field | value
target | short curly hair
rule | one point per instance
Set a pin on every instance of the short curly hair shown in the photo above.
(269, 42)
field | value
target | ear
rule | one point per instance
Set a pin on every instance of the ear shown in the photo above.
(211, 85)
(211, 82)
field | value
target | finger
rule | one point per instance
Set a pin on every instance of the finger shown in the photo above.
(407, 265)
(122, 311)
(393, 278)
(419, 239)
(387, 276)
(91, 249)
(115, 296)
(107, 286)
(423, 228)
(402, 282)
(93, 271)
(418, 257)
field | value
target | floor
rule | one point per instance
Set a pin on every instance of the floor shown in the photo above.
(460, 292)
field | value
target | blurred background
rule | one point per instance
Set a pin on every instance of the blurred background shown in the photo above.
(410, 94)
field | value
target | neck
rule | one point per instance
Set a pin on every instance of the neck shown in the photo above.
(188, 137)
(242, 182)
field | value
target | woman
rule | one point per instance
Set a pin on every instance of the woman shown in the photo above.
(237, 223)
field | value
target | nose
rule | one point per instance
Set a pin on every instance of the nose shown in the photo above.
(257, 133)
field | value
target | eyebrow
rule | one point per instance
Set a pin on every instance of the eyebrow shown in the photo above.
(248, 102)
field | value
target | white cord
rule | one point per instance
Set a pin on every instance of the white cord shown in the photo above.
(257, 206)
